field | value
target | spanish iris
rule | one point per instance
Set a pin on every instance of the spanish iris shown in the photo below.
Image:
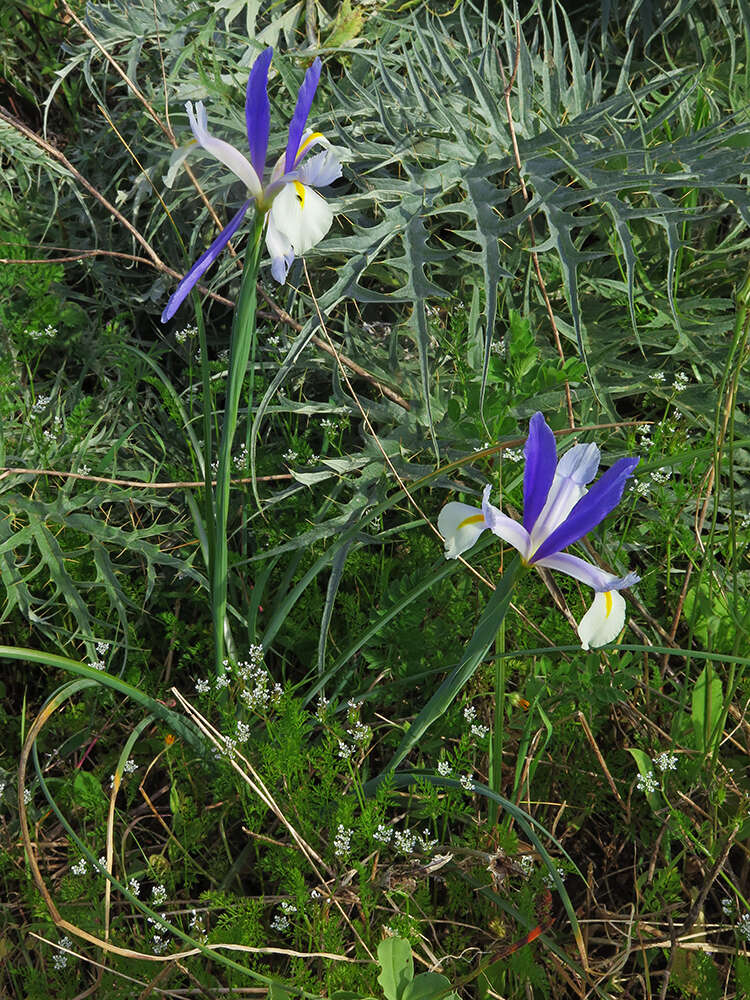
(298, 217)
(558, 510)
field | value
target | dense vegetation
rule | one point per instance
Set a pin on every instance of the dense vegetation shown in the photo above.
(409, 764)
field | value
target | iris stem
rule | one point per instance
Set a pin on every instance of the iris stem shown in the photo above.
(498, 729)
(242, 343)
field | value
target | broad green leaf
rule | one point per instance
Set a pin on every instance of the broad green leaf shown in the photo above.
(397, 967)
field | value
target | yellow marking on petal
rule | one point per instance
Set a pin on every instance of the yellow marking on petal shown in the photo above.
(474, 519)
(300, 189)
(311, 138)
(607, 603)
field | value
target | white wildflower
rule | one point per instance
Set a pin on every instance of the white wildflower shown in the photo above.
(80, 867)
(342, 841)
(130, 766)
(647, 783)
(665, 761)
(444, 768)
(479, 731)
(202, 686)
(383, 834)
(158, 895)
(470, 713)
(134, 887)
(280, 923)
(467, 782)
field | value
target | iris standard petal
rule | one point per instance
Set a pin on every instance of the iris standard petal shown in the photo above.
(320, 170)
(505, 527)
(301, 215)
(226, 154)
(203, 263)
(301, 111)
(258, 111)
(603, 621)
(460, 525)
(590, 510)
(540, 452)
(576, 468)
(587, 573)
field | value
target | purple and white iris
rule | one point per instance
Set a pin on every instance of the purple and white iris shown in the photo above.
(298, 217)
(558, 510)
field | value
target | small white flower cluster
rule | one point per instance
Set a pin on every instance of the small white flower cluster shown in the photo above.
(130, 766)
(290, 456)
(202, 686)
(727, 906)
(514, 455)
(467, 782)
(260, 691)
(641, 489)
(46, 334)
(52, 434)
(444, 768)
(41, 403)
(745, 522)
(273, 341)
(158, 895)
(280, 923)
(80, 867)
(241, 458)
(188, 332)
(313, 459)
(479, 731)
(243, 731)
(321, 707)
(661, 475)
(159, 941)
(527, 864)
(405, 841)
(3, 786)
(345, 751)
(27, 796)
(743, 926)
(342, 841)
(97, 664)
(681, 382)
(498, 348)
(223, 356)
(647, 783)
(60, 958)
(134, 886)
(549, 878)
(665, 761)
(102, 648)
(84, 470)
(470, 713)
(196, 926)
(658, 377)
(198, 356)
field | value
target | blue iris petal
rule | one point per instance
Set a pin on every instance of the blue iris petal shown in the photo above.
(540, 452)
(203, 263)
(258, 112)
(590, 510)
(302, 110)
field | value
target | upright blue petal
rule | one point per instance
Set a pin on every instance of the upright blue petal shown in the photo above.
(299, 119)
(540, 451)
(258, 112)
(203, 263)
(592, 508)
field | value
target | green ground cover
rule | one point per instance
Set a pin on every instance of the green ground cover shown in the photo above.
(409, 780)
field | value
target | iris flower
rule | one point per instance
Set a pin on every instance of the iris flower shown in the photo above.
(298, 217)
(558, 510)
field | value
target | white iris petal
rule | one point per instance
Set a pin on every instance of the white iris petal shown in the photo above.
(460, 525)
(603, 621)
(301, 215)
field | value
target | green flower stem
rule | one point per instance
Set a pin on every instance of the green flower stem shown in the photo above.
(243, 342)
(498, 731)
